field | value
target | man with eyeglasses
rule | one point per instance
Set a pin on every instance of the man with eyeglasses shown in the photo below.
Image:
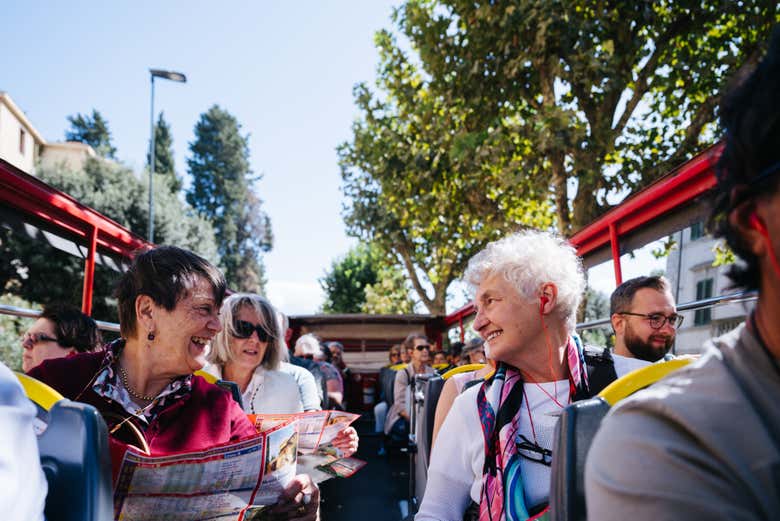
(645, 319)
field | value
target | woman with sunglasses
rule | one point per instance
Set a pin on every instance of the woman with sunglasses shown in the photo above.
(248, 352)
(397, 422)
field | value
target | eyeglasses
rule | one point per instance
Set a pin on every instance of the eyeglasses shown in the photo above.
(658, 320)
(244, 329)
(395, 355)
(422, 347)
(532, 451)
(35, 338)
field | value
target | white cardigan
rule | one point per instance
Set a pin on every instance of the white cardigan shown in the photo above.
(268, 392)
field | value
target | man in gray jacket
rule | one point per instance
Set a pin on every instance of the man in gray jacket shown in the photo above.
(705, 442)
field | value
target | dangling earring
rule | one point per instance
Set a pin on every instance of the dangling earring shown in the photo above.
(150, 336)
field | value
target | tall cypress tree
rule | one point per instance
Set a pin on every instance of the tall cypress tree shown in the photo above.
(221, 192)
(163, 154)
(92, 130)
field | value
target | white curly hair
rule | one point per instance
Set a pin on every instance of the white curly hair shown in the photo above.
(529, 259)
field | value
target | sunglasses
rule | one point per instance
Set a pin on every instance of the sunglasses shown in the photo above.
(244, 329)
(307, 357)
(533, 451)
(36, 338)
(422, 347)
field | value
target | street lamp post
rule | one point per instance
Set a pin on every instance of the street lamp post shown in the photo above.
(168, 75)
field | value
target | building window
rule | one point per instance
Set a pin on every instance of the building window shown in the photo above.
(22, 135)
(703, 290)
(697, 230)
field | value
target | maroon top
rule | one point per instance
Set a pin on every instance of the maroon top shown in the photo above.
(205, 417)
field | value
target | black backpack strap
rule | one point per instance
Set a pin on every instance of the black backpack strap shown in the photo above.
(601, 368)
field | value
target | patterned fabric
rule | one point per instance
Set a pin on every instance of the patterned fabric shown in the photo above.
(107, 384)
(499, 403)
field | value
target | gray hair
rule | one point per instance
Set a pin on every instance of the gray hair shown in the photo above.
(529, 259)
(220, 347)
(308, 345)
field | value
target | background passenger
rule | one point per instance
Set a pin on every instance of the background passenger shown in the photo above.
(248, 352)
(311, 394)
(61, 330)
(706, 437)
(380, 409)
(397, 422)
(308, 347)
(473, 352)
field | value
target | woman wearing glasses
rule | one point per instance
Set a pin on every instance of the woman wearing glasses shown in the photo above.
(248, 352)
(397, 422)
(59, 332)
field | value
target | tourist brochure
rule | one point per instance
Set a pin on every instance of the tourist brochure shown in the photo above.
(342, 468)
(222, 483)
(315, 428)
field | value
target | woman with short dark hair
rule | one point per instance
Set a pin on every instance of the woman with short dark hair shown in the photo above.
(59, 331)
(169, 303)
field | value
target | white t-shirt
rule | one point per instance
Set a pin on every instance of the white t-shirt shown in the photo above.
(624, 364)
(455, 472)
(268, 392)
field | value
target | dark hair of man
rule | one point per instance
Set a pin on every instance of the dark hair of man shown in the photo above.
(748, 168)
(623, 295)
(166, 274)
(73, 328)
(409, 340)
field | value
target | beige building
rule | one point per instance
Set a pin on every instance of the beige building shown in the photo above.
(23, 147)
(693, 277)
(20, 143)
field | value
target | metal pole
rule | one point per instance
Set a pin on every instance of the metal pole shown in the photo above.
(151, 172)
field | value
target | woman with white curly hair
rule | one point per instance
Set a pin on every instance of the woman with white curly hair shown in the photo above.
(491, 460)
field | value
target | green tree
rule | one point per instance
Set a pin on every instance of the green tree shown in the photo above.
(363, 282)
(92, 130)
(596, 306)
(163, 154)
(411, 189)
(593, 97)
(221, 191)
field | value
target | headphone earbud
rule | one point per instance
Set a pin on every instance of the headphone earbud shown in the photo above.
(757, 224)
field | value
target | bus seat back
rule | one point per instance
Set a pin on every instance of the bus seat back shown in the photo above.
(233, 389)
(574, 433)
(388, 386)
(75, 458)
(433, 389)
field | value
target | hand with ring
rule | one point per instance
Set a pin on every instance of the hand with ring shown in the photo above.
(300, 500)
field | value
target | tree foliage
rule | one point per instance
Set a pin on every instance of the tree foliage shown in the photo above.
(606, 95)
(522, 112)
(92, 130)
(163, 154)
(363, 282)
(221, 191)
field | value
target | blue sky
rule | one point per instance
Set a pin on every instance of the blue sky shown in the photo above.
(284, 69)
